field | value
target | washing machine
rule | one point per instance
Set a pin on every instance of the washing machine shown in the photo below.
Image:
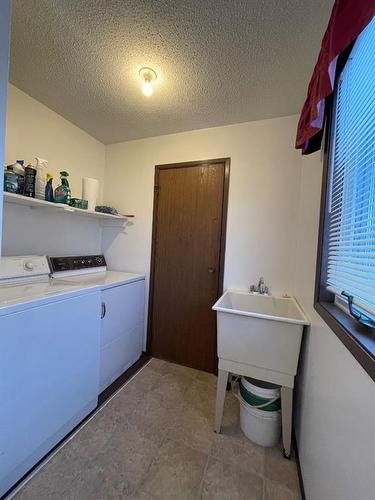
(49, 361)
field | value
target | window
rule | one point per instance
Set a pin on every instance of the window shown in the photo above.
(346, 266)
(351, 242)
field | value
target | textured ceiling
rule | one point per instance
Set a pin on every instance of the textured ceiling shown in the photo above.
(218, 61)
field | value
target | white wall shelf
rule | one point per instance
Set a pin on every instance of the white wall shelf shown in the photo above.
(62, 208)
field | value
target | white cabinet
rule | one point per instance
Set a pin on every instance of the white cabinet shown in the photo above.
(122, 330)
(49, 378)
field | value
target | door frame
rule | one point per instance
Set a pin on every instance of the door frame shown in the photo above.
(158, 168)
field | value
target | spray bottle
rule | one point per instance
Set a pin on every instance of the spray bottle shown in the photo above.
(62, 192)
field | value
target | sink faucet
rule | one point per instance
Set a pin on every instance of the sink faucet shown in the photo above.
(260, 288)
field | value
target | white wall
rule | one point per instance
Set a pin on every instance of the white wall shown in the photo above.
(29, 231)
(336, 397)
(263, 195)
(34, 130)
(4, 68)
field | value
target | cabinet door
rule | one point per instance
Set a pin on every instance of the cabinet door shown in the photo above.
(122, 330)
(49, 377)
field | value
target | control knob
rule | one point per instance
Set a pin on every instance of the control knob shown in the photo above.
(29, 266)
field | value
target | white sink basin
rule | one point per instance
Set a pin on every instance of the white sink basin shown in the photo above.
(261, 306)
(262, 331)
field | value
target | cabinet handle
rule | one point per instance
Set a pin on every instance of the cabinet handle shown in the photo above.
(104, 310)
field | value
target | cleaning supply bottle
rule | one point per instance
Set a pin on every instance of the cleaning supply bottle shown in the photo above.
(29, 184)
(49, 188)
(10, 180)
(40, 182)
(19, 170)
(62, 192)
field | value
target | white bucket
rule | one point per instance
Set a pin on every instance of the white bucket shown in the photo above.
(262, 389)
(261, 427)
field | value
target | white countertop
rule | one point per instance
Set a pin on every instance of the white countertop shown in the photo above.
(101, 280)
(14, 298)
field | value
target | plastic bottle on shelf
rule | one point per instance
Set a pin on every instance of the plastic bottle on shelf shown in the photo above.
(62, 192)
(10, 180)
(49, 189)
(29, 185)
(19, 169)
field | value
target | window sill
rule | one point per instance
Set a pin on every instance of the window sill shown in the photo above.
(357, 338)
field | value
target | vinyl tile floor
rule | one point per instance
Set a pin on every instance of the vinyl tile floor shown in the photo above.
(154, 440)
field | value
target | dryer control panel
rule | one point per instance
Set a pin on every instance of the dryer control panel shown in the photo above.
(76, 263)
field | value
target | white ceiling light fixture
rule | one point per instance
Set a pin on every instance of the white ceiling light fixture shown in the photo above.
(148, 77)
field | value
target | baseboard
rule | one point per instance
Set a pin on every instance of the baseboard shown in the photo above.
(300, 478)
(120, 381)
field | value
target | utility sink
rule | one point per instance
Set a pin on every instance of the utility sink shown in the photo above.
(260, 330)
(261, 306)
(259, 336)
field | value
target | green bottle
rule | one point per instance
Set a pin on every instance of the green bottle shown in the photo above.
(10, 180)
(62, 192)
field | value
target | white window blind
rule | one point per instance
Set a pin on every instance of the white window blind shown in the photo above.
(351, 209)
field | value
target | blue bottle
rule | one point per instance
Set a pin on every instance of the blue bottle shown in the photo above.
(49, 189)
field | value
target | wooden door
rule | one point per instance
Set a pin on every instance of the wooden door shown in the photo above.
(187, 261)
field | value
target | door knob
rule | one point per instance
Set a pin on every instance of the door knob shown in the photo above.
(211, 270)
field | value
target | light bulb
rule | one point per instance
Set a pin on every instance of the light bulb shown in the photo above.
(147, 88)
(148, 77)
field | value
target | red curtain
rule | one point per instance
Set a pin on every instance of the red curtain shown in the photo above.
(348, 19)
